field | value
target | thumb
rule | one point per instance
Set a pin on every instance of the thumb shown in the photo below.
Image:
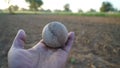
(19, 39)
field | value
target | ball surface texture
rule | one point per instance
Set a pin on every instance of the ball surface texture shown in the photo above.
(55, 34)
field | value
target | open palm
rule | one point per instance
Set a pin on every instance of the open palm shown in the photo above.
(38, 56)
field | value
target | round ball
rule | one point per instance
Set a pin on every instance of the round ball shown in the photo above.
(55, 34)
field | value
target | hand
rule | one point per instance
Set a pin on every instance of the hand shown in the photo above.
(38, 56)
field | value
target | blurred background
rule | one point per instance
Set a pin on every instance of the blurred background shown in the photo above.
(96, 24)
(73, 6)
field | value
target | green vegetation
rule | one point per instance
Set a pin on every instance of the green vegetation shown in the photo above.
(72, 60)
(106, 7)
(34, 4)
(67, 8)
(103, 14)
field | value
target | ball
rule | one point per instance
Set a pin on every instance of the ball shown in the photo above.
(55, 34)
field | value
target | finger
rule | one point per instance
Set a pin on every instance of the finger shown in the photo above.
(19, 39)
(70, 40)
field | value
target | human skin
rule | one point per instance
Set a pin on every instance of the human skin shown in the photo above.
(39, 56)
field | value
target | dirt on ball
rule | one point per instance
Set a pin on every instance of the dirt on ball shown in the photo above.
(55, 35)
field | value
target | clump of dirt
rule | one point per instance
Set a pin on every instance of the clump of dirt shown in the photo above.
(96, 43)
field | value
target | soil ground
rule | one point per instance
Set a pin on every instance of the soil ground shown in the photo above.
(96, 45)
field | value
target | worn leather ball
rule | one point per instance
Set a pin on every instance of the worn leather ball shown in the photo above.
(55, 34)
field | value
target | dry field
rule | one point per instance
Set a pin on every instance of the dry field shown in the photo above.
(96, 45)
